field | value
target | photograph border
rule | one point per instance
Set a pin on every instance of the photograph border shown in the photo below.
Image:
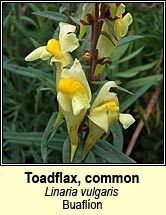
(81, 164)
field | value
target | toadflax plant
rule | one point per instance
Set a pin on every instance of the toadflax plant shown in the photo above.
(88, 113)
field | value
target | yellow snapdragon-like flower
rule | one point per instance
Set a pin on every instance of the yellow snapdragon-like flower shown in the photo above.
(83, 27)
(104, 113)
(58, 49)
(120, 25)
(74, 96)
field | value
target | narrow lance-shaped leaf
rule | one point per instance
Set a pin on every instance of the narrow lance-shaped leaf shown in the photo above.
(129, 39)
(52, 15)
(108, 36)
(30, 139)
(20, 70)
(130, 56)
(109, 24)
(47, 135)
(32, 73)
(134, 71)
(143, 81)
(75, 20)
(110, 154)
(90, 158)
(125, 90)
(66, 150)
(117, 136)
(30, 21)
(128, 102)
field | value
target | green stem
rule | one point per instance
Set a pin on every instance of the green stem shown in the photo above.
(57, 74)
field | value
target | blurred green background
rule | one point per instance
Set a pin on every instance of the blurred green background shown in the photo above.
(29, 94)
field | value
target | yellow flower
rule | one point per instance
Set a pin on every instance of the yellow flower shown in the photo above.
(104, 113)
(58, 49)
(74, 96)
(84, 19)
(120, 25)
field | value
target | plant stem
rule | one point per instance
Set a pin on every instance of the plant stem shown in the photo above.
(94, 38)
(96, 29)
(70, 11)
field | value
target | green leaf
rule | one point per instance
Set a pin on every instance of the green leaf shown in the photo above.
(66, 150)
(109, 24)
(128, 102)
(34, 42)
(130, 56)
(75, 20)
(32, 73)
(43, 77)
(6, 19)
(134, 71)
(78, 154)
(31, 21)
(48, 134)
(111, 154)
(107, 36)
(129, 39)
(143, 81)
(62, 8)
(20, 27)
(117, 136)
(119, 52)
(124, 90)
(52, 15)
(36, 7)
(23, 136)
(32, 138)
(90, 158)
(19, 70)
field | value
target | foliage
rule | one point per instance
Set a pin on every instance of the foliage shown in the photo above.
(29, 93)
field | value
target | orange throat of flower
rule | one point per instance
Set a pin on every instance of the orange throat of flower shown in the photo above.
(53, 46)
(71, 86)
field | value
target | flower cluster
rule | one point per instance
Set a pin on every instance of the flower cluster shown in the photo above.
(120, 25)
(73, 90)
